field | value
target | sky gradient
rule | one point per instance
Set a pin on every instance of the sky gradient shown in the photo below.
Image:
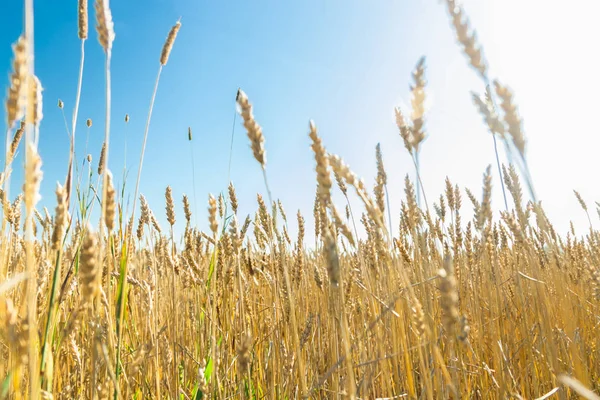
(344, 64)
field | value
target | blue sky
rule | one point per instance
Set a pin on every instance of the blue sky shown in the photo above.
(344, 64)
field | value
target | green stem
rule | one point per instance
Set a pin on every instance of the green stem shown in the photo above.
(50, 316)
(121, 301)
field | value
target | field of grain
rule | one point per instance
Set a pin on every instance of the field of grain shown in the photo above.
(449, 304)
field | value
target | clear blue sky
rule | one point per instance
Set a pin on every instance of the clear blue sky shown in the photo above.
(344, 64)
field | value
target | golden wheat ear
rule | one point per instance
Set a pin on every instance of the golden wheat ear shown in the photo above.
(168, 46)
(82, 14)
(14, 145)
(255, 134)
(16, 98)
(104, 24)
(322, 168)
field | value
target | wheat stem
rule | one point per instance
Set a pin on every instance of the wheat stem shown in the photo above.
(194, 182)
(419, 181)
(500, 171)
(139, 174)
(74, 121)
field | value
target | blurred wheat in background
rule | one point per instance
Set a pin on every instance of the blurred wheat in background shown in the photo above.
(445, 305)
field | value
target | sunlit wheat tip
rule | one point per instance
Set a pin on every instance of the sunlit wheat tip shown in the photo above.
(168, 46)
(233, 197)
(111, 205)
(341, 226)
(60, 217)
(154, 222)
(13, 216)
(82, 13)
(317, 215)
(580, 200)
(144, 209)
(301, 229)
(350, 178)
(468, 40)
(489, 115)
(170, 207)
(212, 214)
(282, 211)
(144, 217)
(90, 272)
(485, 211)
(404, 129)
(16, 98)
(450, 194)
(102, 159)
(511, 116)
(257, 140)
(418, 104)
(34, 176)
(457, 198)
(14, 145)
(245, 227)
(221, 205)
(340, 183)
(322, 168)
(187, 211)
(104, 24)
(36, 101)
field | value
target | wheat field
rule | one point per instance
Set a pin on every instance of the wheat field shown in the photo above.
(449, 304)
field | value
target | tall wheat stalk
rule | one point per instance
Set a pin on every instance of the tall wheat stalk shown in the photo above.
(190, 140)
(106, 36)
(164, 58)
(412, 132)
(237, 96)
(82, 33)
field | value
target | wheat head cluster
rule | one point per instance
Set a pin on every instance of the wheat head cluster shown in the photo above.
(447, 304)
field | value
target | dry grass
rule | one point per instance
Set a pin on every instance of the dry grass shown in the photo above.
(445, 305)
